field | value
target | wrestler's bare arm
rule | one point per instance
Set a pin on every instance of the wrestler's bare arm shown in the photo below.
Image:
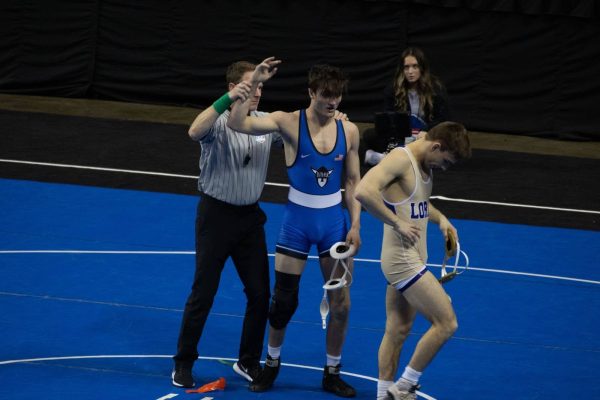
(352, 180)
(437, 217)
(395, 166)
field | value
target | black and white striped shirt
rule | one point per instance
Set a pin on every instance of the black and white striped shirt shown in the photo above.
(223, 174)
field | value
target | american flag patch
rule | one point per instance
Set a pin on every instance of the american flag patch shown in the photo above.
(339, 157)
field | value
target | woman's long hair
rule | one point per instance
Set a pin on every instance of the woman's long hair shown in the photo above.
(425, 86)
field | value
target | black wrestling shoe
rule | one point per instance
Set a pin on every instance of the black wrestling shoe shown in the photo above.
(333, 383)
(182, 375)
(265, 379)
(250, 373)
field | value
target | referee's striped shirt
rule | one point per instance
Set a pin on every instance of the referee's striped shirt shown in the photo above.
(223, 174)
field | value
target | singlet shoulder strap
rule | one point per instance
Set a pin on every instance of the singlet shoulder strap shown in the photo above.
(413, 162)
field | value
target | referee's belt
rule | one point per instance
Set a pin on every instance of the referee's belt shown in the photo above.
(314, 200)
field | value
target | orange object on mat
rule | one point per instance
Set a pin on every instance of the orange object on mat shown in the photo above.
(219, 384)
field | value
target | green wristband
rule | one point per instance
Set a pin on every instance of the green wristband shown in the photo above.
(222, 104)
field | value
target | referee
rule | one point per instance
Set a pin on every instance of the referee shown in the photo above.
(229, 223)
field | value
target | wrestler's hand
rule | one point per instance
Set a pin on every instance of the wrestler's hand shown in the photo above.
(240, 91)
(353, 238)
(447, 229)
(265, 70)
(340, 115)
(408, 230)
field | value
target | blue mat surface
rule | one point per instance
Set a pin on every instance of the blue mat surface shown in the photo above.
(93, 282)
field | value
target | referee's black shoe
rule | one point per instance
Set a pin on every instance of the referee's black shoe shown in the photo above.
(248, 373)
(265, 379)
(333, 383)
(182, 375)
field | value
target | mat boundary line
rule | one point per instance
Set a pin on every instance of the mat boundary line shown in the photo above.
(165, 174)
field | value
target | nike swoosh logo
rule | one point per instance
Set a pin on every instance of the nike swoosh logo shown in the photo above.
(304, 155)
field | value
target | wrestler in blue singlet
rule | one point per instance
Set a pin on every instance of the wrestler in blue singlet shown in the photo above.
(313, 213)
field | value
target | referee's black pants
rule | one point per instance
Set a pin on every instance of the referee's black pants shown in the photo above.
(222, 231)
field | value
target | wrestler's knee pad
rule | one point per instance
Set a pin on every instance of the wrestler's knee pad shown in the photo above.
(285, 299)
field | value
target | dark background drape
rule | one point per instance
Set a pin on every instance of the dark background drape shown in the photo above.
(521, 67)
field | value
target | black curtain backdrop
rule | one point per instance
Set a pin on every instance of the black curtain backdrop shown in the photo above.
(521, 67)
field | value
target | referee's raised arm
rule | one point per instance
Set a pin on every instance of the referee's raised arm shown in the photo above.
(206, 119)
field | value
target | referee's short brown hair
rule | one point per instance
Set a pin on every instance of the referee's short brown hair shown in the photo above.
(236, 70)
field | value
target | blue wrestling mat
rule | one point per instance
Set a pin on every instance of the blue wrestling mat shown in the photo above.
(93, 283)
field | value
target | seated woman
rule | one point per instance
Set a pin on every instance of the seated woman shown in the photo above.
(416, 91)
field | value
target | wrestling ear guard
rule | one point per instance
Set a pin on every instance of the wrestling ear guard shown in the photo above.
(333, 284)
(452, 249)
(340, 251)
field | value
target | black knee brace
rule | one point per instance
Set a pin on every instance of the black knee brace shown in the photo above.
(285, 299)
